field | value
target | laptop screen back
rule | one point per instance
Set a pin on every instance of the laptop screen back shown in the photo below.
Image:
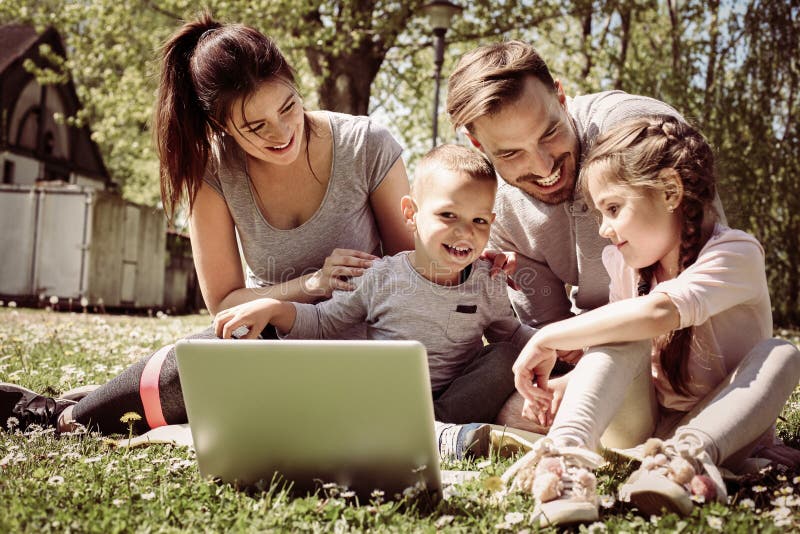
(357, 413)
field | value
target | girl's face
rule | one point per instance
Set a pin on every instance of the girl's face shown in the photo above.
(643, 225)
(269, 124)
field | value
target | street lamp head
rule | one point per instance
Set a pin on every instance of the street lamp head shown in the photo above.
(440, 13)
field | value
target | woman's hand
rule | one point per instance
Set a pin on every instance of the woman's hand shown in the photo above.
(531, 374)
(502, 261)
(254, 315)
(338, 268)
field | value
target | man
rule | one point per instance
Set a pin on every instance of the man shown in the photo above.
(515, 112)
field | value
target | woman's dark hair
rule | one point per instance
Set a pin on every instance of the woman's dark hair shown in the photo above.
(206, 66)
(635, 154)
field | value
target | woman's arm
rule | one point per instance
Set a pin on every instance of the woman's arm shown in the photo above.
(385, 203)
(219, 267)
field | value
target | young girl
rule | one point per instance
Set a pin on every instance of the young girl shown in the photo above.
(312, 197)
(698, 290)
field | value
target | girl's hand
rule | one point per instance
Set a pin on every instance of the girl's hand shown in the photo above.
(338, 267)
(254, 315)
(502, 261)
(531, 373)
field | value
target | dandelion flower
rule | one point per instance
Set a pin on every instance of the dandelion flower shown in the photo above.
(55, 480)
(747, 503)
(12, 423)
(512, 518)
(444, 521)
(130, 417)
(759, 489)
(607, 501)
(714, 522)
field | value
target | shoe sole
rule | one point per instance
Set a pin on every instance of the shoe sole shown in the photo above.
(560, 513)
(653, 495)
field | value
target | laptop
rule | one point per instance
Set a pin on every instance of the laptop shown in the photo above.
(355, 413)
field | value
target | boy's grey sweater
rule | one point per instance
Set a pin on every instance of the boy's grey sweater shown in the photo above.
(398, 303)
(558, 244)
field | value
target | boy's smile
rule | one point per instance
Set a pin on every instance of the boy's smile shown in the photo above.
(451, 215)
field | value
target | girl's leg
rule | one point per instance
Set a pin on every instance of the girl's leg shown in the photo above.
(150, 387)
(610, 390)
(730, 420)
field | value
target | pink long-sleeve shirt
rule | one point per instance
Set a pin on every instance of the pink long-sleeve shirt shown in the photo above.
(723, 295)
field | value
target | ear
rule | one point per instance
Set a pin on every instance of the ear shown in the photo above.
(673, 187)
(562, 98)
(409, 209)
(474, 141)
(494, 216)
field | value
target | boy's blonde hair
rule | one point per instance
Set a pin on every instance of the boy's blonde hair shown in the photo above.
(635, 154)
(491, 76)
(453, 158)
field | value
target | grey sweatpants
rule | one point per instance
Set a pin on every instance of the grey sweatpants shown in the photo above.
(611, 391)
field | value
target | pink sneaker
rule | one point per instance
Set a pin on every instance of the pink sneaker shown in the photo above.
(673, 475)
(561, 480)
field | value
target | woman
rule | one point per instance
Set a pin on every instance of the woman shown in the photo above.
(313, 198)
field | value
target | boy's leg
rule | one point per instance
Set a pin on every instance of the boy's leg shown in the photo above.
(609, 394)
(731, 418)
(150, 387)
(482, 389)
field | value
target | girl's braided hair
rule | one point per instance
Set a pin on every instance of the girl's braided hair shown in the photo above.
(635, 154)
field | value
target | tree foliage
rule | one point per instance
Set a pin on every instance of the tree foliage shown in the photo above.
(731, 67)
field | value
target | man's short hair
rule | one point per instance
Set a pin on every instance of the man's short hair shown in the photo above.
(453, 158)
(490, 76)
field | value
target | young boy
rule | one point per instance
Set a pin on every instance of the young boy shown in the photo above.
(440, 294)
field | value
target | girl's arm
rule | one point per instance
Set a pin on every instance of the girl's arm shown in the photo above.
(220, 271)
(631, 319)
(385, 204)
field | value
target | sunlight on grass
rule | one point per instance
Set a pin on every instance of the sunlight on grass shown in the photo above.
(77, 482)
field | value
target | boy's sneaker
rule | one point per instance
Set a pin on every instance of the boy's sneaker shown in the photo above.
(674, 474)
(457, 442)
(20, 408)
(561, 480)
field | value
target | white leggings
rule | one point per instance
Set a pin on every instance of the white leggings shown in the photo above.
(610, 393)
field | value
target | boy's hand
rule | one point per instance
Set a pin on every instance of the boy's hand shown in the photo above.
(254, 315)
(338, 267)
(531, 373)
(502, 261)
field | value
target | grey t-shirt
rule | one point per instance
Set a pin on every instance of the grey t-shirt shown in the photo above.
(363, 152)
(558, 244)
(397, 303)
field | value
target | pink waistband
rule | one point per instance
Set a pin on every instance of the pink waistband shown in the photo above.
(148, 388)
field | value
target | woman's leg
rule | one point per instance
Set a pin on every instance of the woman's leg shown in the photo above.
(609, 391)
(730, 419)
(150, 387)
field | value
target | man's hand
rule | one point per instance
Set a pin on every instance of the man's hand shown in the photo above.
(502, 261)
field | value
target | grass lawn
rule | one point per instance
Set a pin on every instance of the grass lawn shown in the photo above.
(80, 483)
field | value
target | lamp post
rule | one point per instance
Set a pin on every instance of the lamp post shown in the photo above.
(440, 14)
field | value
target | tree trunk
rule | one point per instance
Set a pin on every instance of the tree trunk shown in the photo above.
(345, 83)
(711, 68)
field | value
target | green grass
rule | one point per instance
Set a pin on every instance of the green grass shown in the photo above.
(79, 483)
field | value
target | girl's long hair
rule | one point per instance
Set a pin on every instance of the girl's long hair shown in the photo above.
(206, 66)
(635, 154)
